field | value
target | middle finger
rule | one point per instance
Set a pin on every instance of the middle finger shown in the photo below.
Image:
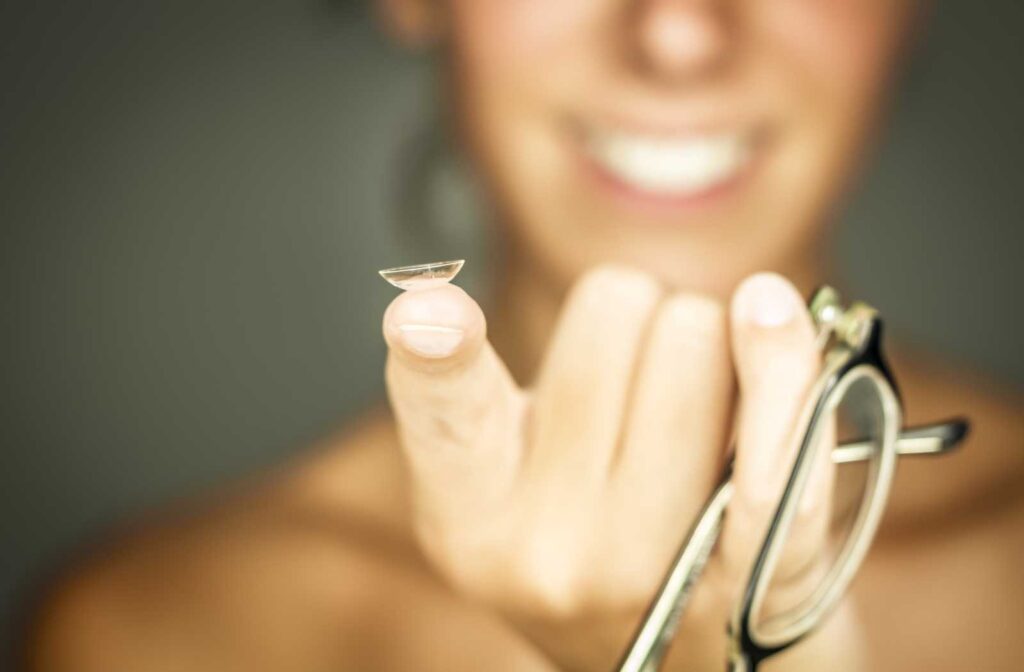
(678, 424)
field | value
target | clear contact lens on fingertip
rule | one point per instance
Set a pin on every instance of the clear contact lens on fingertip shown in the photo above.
(423, 276)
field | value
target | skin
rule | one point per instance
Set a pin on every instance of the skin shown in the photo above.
(516, 505)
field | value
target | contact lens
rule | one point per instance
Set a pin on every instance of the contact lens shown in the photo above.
(423, 276)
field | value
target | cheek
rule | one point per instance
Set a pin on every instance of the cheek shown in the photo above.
(511, 42)
(514, 66)
(843, 47)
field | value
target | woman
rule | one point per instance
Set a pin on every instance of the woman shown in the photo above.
(662, 173)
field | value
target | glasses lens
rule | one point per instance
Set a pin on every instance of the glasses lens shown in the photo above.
(834, 517)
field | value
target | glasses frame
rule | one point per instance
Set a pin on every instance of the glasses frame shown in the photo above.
(856, 353)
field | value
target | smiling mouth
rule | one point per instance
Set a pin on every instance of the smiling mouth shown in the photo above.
(673, 167)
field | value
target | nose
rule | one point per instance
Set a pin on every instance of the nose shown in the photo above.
(679, 38)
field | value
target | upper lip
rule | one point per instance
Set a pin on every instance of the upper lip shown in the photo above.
(675, 131)
(697, 116)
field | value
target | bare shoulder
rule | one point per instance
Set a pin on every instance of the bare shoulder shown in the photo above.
(945, 570)
(987, 472)
(309, 567)
(357, 475)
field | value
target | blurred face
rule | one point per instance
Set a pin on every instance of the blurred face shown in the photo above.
(701, 140)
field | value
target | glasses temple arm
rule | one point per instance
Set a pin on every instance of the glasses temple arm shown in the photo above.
(933, 439)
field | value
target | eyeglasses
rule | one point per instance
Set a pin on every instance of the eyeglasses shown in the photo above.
(855, 396)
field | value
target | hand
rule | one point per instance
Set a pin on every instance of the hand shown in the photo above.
(561, 506)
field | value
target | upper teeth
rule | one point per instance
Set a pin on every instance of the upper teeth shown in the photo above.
(671, 166)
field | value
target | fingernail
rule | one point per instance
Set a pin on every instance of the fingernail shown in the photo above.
(767, 300)
(430, 340)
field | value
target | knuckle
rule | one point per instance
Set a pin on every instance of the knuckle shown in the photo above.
(745, 526)
(539, 574)
(462, 559)
(799, 555)
(757, 497)
(800, 549)
(786, 351)
(629, 579)
(546, 580)
(547, 599)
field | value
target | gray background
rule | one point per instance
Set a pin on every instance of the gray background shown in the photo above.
(195, 196)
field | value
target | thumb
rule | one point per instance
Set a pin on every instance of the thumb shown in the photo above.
(777, 362)
(457, 408)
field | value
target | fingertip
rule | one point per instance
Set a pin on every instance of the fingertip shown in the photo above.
(690, 312)
(766, 300)
(613, 282)
(776, 357)
(439, 323)
(770, 325)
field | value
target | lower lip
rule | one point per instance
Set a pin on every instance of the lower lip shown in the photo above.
(634, 198)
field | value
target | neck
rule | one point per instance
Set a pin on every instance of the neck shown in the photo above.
(525, 309)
